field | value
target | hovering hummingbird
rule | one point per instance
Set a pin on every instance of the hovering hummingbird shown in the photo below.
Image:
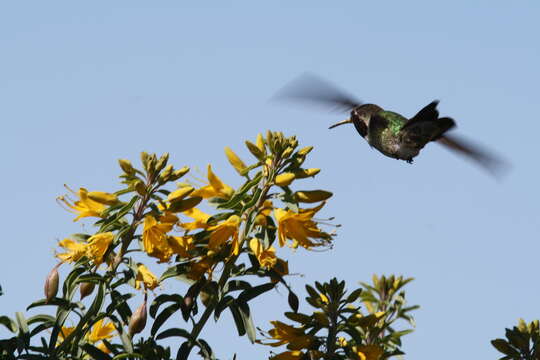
(390, 133)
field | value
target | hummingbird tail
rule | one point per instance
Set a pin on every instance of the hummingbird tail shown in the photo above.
(347, 121)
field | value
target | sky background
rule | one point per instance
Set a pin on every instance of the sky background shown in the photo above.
(85, 83)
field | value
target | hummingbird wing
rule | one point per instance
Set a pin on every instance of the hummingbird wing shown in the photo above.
(377, 124)
(310, 88)
(427, 113)
(494, 165)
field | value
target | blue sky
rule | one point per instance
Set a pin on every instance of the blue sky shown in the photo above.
(85, 83)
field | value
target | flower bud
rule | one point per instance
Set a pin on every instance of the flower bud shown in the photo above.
(138, 185)
(86, 289)
(179, 173)
(180, 193)
(103, 197)
(235, 161)
(284, 179)
(312, 196)
(51, 284)
(305, 151)
(260, 143)
(166, 174)
(138, 319)
(162, 162)
(304, 173)
(255, 150)
(126, 166)
(288, 151)
(145, 159)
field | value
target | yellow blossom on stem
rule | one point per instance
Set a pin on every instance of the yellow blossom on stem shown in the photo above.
(84, 206)
(289, 355)
(155, 239)
(295, 338)
(98, 245)
(266, 257)
(266, 210)
(65, 332)
(223, 232)
(200, 219)
(181, 245)
(300, 228)
(145, 276)
(215, 187)
(101, 331)
(76, 250)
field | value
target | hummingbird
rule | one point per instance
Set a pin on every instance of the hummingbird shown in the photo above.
(389, 132)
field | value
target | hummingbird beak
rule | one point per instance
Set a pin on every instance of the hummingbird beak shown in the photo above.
(347, 121)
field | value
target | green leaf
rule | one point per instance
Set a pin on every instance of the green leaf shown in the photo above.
(255, 291)
(240, 193)
(504, 347)
(176, 271)
(222, 305)
(235, 285)
(128, 356)
(163, 316)
(58, 302)
(298, 317)
(161, 299)
(245, 312)
(126, 342)
(95, 353)
(174, 332)
(237, 316)
(354, 295)
(9, 323)
(39, 318)
(21, 321)
(294, 303)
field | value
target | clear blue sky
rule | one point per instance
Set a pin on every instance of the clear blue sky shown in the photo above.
(85, 83)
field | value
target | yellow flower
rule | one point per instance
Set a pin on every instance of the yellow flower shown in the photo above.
(295, 338)
(235, 161)
(284, 179)
(215, 188)
(155, 236)
(149, 280)
(223, 232)
(266, 210)
(101, 331)
(84, 206)
(98, 245)
(64, 332)
(101, 346)
(368, 352)
(300, 228)
(324, 299)
(341, 341)
(266, 257)
(200, 219)
(180, 193)
(103, 197)
(181, 245)
(76, 250)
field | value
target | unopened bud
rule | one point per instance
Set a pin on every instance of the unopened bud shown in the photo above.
(103, 197)
(284, 179)
(183, 205)
(260, 143)
(177, 174)
(166, 174)
(305, 151)
(138, 185)
(126, 166)
(312, 196)
(51, 284)
(86, 289)
(255, 150)
(162, 162)
(304, 173)
(288, 151)
(145, 159)
(138, 319)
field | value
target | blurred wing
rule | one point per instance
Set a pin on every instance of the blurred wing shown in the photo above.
(310, 88)
(492, 164)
